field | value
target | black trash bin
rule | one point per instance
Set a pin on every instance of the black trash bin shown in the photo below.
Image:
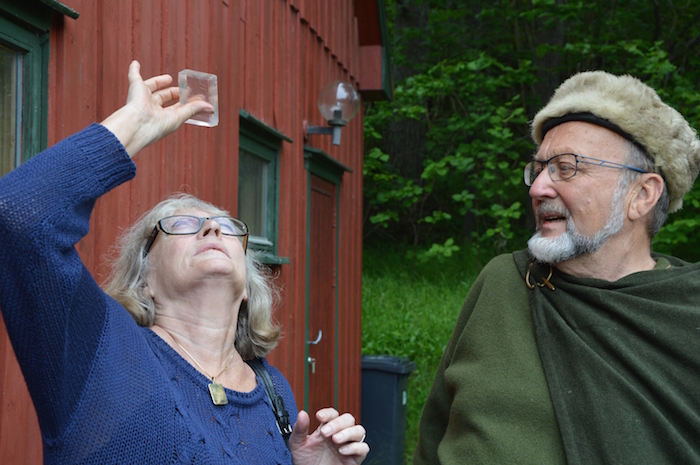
(384, 384)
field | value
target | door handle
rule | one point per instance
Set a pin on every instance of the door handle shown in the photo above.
(318, 339)
(312, 361)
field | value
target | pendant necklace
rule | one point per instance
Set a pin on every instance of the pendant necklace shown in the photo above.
(216, 390)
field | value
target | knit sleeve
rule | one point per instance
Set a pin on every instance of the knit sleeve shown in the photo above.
(53, 309)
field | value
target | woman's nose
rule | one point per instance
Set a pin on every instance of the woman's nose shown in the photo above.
(211, 227)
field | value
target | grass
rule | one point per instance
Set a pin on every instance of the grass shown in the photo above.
(409, 309)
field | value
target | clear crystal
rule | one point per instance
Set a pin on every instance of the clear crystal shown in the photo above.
(195, 85)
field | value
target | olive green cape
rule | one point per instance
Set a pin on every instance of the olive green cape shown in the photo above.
(622, 361)
(489, 403)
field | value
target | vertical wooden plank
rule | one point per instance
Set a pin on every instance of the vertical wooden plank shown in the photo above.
(280, 66)
(280, 357)
(175, 162)
(302, 10)
(320, 24)
(187, 132)
(72, 99)
(329, 18)
(200, 46)
(347, 37)
(240, 72)
(356, 50)
(148, 27)
(326, 75)
(233, 98)
(296, 189)
(224, 153)
(72, 88)
(356, 369)
(314, 14)
(285, 94)
(243, 40)
(253, 60)
(267, 72)
(114, 34)
(304, 95)
(347, 24)
(20, 438)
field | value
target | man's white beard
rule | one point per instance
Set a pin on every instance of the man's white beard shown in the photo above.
(571, 243)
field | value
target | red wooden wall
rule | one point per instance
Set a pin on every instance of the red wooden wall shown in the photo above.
(272, 57)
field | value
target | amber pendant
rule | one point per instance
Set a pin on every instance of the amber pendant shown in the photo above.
(218, 395)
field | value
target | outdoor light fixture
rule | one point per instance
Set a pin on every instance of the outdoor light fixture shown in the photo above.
(339, 103)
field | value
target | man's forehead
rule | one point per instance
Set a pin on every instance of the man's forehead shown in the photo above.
(581, 138)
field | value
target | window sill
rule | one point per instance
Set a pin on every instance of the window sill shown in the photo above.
(268, 258)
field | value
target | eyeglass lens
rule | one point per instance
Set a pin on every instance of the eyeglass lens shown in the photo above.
(185, 224)
(560, 167)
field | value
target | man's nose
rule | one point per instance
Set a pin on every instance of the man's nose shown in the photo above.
(543, 186)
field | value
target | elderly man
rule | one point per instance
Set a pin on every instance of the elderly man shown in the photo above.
(585, 348)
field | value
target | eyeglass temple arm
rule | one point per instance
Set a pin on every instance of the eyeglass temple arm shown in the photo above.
(150, 241)
(610, 164)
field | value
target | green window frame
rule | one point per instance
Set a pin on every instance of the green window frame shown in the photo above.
(258, 191)
(24, 29)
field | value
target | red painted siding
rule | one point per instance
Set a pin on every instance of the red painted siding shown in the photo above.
(272, 57)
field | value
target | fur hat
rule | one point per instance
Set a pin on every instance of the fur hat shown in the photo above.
(634, 110)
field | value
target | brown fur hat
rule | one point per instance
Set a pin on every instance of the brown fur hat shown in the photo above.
(634, 110)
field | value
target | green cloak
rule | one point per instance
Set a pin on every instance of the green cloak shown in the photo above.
(622, 361)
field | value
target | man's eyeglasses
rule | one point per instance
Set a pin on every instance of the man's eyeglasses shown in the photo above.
(565, 166)
(178, 225)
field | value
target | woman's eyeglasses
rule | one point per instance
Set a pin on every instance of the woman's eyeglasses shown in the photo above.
(178, 225)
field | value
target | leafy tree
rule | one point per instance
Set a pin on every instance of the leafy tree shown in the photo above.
(483, 70)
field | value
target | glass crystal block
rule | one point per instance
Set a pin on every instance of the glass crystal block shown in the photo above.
(195, 85)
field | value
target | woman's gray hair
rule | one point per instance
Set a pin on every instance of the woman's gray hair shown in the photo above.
(256, 333)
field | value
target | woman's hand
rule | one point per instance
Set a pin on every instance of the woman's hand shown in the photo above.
(338, 440)
(146, 118)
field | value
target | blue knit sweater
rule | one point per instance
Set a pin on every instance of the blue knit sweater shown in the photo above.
(107, 391)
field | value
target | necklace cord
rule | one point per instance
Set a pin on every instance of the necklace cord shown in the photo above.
(213, 378)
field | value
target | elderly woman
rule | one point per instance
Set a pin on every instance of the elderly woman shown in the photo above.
(168, 381)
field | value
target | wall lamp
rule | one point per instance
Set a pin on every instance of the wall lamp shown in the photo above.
(338, 103)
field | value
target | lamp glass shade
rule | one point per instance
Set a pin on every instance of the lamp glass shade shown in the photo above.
(339, 95)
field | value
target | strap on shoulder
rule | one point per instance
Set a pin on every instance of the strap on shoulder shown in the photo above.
(277, 402)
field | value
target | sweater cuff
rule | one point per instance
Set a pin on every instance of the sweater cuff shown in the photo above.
(107, 156)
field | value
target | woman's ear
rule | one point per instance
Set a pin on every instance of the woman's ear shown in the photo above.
(148, 291)
(646, 194)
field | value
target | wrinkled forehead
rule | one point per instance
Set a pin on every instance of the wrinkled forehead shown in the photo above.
(582, 138)
(199, 212)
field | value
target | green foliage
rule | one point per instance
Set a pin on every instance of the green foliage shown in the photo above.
(439, 251)
(679, 236)
(409, 310)
(473, 164)
(488, 67)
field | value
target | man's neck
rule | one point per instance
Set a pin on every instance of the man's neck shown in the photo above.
(620, 256)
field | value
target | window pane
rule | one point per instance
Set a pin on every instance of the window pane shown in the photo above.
(252, 192)
(10, 109)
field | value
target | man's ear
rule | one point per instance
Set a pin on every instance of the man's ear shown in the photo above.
(646, 194)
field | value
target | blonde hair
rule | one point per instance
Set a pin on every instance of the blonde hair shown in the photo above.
(256, 333)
